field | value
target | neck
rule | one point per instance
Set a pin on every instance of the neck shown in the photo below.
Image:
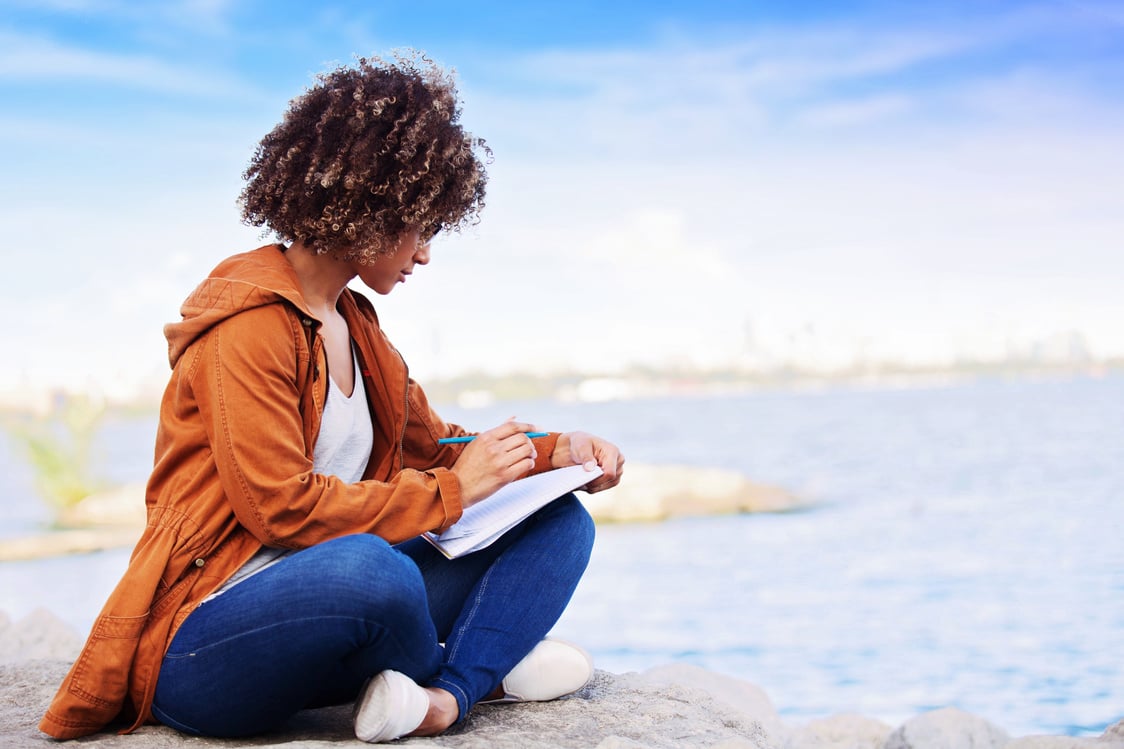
(322, 277)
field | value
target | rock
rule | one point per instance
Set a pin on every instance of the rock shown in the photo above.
(619, 742)
(747, 699)
(71, 541)
(104, 520)
(121, 506)
(613, 712)
(843, 731)
(655, 713)
(1054, 742)
(38, 635)
(1112, 738)
(629, 711)
(948, 728)
(115, 517)
(651, 492)
(658, 492)
(667, 707)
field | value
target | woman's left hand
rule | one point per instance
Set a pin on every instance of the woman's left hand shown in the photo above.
(581, 448)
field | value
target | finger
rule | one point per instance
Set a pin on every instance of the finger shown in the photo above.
(611, 462)
(518, 468)
(611, 472)
(518, 447)
(581, 450)
(605, 455)
(511, 427)
(602, 484)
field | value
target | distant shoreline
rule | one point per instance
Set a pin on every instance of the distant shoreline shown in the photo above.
(479, 389)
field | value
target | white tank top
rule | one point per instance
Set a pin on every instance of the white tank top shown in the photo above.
(346, 433)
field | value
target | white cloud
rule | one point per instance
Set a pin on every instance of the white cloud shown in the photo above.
(207, 16)
(855, 112)
(653, 204)
(913, 220)
(25, 58)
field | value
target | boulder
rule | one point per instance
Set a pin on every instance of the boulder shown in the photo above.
(843, 731)
(38, 635)
(947, 728)
(115, 517)
(121, 506)
(104, 520)
(667, 707)
(629, 711)
(69, 541)
(1054, 742)
(747, 699)
(658, 492)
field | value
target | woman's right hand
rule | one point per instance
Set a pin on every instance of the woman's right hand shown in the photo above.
(493, 460)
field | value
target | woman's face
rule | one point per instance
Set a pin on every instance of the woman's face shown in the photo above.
(387, 271)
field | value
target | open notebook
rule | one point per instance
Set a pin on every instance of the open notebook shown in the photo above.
(485, 521)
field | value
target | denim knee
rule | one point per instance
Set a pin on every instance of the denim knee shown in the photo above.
(369, 572)
(575, 520)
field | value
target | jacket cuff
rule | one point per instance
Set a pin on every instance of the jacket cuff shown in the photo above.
(449, 492)
(545, 448)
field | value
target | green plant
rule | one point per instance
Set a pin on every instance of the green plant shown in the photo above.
(58, 446)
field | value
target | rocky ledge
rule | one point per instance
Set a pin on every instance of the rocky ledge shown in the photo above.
(674, 706)
(114, 518)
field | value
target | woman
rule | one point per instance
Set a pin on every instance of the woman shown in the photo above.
(297, 464)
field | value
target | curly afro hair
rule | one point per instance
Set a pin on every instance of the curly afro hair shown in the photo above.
(369, 152)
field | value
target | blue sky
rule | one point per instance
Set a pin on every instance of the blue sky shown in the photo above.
(704, 182)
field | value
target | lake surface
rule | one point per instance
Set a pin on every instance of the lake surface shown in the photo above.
(964, 548)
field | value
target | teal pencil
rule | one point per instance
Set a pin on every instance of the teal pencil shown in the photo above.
(471, 437)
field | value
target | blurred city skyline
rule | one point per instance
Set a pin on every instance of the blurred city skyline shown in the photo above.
(675, 184)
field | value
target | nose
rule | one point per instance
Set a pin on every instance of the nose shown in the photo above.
(421, 255)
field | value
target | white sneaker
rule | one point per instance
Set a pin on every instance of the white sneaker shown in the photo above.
(389, 707)
(553, 669)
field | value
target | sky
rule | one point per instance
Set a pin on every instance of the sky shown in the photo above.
(704, 184)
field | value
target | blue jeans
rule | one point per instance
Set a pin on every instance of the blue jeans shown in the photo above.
(311, 629)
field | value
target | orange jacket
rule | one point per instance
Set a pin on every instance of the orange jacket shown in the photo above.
(233, 472)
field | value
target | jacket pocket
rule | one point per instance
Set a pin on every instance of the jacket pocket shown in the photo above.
(103, 668)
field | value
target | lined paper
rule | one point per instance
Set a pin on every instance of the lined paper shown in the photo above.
(487, 520)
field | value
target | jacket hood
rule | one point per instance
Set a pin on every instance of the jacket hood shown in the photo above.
(241, 282)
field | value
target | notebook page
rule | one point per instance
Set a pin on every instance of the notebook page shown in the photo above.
(517, 500)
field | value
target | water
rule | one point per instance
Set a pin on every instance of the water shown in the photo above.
(964, 549)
